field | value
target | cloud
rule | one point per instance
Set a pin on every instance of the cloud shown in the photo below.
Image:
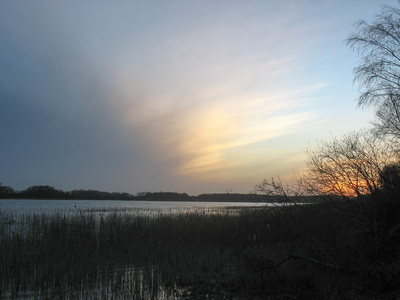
(210, 91)
(147, 95)
(56, 124)
(197, 132)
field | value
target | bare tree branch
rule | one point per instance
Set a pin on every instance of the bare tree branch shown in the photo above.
(378, 72)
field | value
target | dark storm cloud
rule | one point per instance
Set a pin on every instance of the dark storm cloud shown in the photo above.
(56, 125)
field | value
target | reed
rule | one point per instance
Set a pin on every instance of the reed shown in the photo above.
(198, 254)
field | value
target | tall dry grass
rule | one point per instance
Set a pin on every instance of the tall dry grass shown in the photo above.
(191, 255)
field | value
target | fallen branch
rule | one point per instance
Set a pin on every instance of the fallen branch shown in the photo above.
(317, 262)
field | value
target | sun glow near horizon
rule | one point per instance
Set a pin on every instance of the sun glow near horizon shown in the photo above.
(219, 135)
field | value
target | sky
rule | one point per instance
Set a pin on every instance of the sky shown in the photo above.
(183, 96)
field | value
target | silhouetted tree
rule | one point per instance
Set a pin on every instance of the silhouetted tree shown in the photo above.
(346, 167)
(349, 166)
(378, 72)
(42, 192)
(360, 172)
(390, 178)
(6, 191)
(388, 117)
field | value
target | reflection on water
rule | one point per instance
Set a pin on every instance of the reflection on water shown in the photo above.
(112, 283)
(40, 206)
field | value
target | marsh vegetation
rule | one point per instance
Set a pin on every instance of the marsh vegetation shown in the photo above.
(297, 251)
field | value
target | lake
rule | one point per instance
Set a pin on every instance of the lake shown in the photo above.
(23, 206)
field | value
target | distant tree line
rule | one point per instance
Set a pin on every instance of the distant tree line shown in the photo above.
(49, 192)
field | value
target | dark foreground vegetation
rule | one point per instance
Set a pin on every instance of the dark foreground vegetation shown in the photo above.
(335, 250)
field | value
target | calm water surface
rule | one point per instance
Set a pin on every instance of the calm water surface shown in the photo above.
(48, 206)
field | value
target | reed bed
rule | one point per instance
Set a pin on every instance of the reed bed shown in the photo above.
(215, 254)
(90, 255)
